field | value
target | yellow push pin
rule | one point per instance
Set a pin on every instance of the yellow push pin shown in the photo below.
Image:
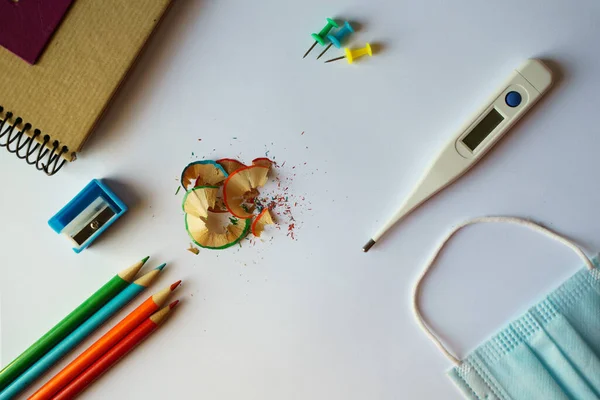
(352, 55)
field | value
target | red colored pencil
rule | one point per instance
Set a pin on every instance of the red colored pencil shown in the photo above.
(120, 350)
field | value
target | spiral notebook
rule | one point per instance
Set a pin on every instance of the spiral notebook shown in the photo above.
(49, 109)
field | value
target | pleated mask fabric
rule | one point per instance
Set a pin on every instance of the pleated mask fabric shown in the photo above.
(551, 352)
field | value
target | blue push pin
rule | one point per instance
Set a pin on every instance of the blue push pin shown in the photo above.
(337, 38)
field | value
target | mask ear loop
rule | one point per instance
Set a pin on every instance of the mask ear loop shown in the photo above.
(511, 220)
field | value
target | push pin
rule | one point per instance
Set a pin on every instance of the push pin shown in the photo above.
(337, 38)
(352, 55)
(321, 36)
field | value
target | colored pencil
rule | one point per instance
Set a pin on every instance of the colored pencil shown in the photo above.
(69, 324)
(79, 334)
(104, 344)
(109, 359)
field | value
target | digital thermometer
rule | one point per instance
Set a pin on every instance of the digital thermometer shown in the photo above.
(522, 90)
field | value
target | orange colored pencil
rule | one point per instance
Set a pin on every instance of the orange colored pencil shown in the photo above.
(109, 359)
(104, 344)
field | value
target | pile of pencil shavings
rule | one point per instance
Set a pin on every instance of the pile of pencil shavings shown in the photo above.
(214, 188)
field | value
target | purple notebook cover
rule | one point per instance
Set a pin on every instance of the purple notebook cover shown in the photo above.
(26, 26)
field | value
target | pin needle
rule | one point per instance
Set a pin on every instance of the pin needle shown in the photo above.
(325, 51)
(309, 50)
(335, 59)
(320, 37)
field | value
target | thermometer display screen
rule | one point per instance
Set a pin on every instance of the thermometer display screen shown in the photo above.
(483, 129)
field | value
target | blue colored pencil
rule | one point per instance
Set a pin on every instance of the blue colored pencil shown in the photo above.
(78, 335)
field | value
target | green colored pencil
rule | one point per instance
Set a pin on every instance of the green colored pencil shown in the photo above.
(69, 324)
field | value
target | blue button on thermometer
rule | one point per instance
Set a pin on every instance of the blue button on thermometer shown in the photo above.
(513, 99)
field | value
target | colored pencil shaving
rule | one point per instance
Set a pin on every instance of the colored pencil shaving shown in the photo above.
(223, 186)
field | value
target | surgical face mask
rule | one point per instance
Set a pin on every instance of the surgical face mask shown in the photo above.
(551, 352)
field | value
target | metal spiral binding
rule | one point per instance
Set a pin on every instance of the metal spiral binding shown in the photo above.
(26, 147)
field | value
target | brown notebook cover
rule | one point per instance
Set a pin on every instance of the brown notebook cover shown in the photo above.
(64, 94)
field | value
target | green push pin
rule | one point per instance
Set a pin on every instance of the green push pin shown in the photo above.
(321, 37)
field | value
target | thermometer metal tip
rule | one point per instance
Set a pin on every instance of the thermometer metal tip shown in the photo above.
(367, 246)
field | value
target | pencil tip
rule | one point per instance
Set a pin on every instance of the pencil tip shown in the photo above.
(173, 304)
(161, 266)
(175, 285)
(145, 259)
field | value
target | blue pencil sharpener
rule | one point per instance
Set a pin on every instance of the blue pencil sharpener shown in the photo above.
(89, 214)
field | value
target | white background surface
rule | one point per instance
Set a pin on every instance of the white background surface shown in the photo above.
(315, 318)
